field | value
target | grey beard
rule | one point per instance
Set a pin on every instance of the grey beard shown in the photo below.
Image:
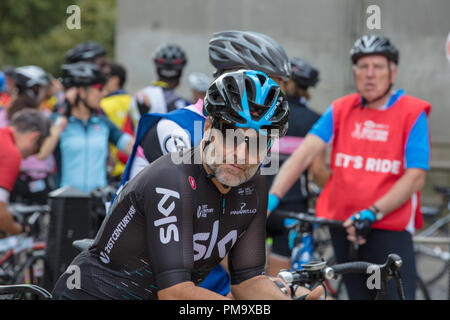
(235, 181)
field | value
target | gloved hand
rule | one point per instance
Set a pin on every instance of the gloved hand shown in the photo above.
(362, 221)
(273, 203)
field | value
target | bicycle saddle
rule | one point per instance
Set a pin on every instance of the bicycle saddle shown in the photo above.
(83, 244)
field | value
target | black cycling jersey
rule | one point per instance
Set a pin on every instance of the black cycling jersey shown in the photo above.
(168, 225)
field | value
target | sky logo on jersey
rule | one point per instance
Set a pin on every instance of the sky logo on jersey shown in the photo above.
(168, 228)
(202, 251)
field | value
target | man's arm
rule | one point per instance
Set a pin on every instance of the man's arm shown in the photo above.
(417, 154)
(296, 164)
(188, 291)
(263, 288)
(319, 170)
(258, 288)
(412, 181)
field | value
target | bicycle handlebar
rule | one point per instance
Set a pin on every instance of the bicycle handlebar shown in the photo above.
(26, 288)
(345, 268)
(309, 218)
(317, 272)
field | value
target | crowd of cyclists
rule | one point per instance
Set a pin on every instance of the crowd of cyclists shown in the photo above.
(197, 230)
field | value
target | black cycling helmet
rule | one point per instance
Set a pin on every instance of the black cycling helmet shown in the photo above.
(30, 77)
(303, 74)
(251, 50)
(85, 51)
(248, 99)
(169, 60)
(371, 45)
(81, 74)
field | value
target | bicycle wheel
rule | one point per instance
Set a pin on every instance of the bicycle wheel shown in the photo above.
(433, 260)
(421, 290)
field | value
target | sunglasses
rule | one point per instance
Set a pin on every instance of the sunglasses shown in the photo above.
(259, 140)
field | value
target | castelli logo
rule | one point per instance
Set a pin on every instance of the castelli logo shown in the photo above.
(192, 183)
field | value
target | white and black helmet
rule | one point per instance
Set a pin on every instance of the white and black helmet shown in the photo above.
(373, 44)
(199, 81)
(28, 77)
(250, 50)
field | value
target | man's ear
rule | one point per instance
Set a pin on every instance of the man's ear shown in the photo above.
(208, 124)
(34, 136)
(394, 71)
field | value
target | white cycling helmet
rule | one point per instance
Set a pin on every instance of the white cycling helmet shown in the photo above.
(199, 81)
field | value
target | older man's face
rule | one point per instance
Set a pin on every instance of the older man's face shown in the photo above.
(373, 77)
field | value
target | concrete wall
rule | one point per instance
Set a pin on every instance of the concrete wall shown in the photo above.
(321, 31)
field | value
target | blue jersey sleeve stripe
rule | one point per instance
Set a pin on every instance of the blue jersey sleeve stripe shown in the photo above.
(417, 152)
(323, 128)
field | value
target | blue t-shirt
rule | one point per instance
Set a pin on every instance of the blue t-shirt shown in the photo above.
(417, 151)
(83, 149)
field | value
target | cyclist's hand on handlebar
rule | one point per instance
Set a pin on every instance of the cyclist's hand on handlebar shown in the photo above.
(315, 294)
(282, 285)
(361, 223)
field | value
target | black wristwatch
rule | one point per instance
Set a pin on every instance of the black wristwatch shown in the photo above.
(378, 214)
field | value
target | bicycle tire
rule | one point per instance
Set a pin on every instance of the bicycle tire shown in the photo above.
(430, 266)
(438, 276)
(422, 288)
(437, 263)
